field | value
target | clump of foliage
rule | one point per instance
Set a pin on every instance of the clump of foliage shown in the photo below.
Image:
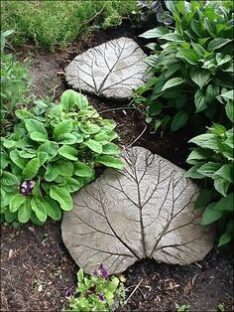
(14, 85)
(213, 162)
(192, 65)
(97, 292)
(154, 12)
(52, 153)
(40, 21)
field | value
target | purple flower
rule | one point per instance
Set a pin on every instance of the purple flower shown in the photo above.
(101, 297)
(26, 187)
(102, 271)
(69, 292)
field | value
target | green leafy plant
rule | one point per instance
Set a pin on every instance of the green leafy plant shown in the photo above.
(212, 161)
(97, 292)
(14, 85)
(182, 308)
(191, 66)
(53, 152)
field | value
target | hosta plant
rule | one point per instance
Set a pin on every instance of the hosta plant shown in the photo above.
(212, 161)
(53, 152)
(191, 66)
(97, 292)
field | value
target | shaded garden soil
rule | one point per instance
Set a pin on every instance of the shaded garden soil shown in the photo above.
(36, 269)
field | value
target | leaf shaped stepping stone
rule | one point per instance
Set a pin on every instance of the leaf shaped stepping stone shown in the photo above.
(144, 211)
(112, 69)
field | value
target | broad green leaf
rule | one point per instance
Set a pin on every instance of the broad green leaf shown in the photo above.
(199, 76)
(9, 179)
(206, 140)
(4, 160)
(72, 99)
(197, 155)
(221, 185)
(154, 33)
(226, 172)
(209, 169)
(9, 143)
(226, 203)
(19, 161)
(43, 157)
(35, 219)
(225, 238)
(230, 140)
(66, 168)
(82, 170)
(203, 199)
(218, 43)
(217, 129)
(110, 161)
(52, 173)
(38, 136)
(16, 201)
(10, 217)
(62, 196)
(63, 127)
(193, 173)
(50, 148)
(68, 152)
(230, 110)
(31, 169)
(89, 127)
(94, 146)
(52, 208)
(67, 138)
(179, 120)
(229, 95)
(24, 212)
(73, 184)
(35, 125)
(110, 149)
(211, 215)
(222, 59)
(172, 83)
(26, 154)
(39, 208)
(200, 101)
(187, 54)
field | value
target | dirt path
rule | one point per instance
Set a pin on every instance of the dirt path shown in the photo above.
(37, 271)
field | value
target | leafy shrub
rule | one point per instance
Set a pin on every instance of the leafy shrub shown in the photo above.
(154, 12)
(40, 21)
(213, 161)
(52, 153)
(14, 85)
(191, 66)
(98, 292)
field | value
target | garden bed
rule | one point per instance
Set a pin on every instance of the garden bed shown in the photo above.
(37, 271)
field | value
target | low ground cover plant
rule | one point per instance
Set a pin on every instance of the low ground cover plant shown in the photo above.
(97, 292)
(52, 152)
(192, 64)
(40, 21)
(15, 84)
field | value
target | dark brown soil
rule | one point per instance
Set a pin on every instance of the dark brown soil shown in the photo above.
(36, 269)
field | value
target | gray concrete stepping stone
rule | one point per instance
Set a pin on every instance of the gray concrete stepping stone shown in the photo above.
(144, 211)
(112, 69)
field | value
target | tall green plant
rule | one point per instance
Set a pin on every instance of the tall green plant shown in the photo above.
(53, 152)
(192, 65)
(14, 85)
